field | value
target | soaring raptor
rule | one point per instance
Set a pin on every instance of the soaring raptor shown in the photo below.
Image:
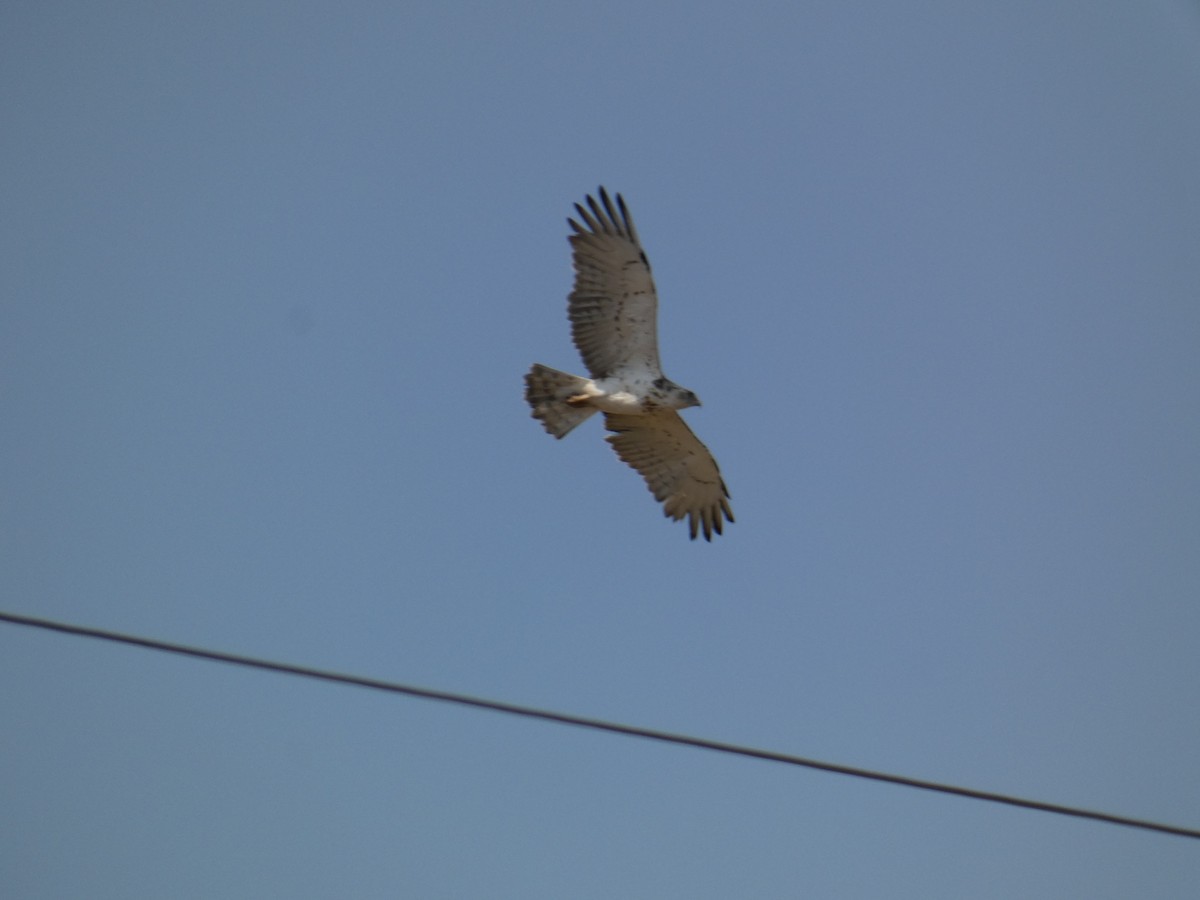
(614, 311)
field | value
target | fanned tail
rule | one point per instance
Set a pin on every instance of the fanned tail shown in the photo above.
(547, 391)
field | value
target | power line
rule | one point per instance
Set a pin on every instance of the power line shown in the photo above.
(585, 722)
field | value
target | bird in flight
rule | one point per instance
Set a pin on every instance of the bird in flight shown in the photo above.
(613, 310)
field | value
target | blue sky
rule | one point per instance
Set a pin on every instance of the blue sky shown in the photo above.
(271, 275)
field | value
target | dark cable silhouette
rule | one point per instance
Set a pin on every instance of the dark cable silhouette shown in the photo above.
(596, 724)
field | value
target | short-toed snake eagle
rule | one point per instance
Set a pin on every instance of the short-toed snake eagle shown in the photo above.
(613, 311)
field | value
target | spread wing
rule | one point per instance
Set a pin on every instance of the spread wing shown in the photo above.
(613, 307)
(678, 469)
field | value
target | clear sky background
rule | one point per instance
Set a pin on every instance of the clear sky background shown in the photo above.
(271, 274)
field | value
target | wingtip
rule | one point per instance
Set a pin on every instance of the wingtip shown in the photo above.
(607, 199)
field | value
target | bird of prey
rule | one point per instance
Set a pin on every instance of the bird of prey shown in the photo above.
(613, 310)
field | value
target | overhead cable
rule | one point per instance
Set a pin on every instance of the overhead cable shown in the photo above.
(595, 724)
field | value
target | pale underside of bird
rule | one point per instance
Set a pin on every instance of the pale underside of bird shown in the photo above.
(613, 310)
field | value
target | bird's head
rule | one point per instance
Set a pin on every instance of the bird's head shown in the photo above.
(686, 398)
(667, 393)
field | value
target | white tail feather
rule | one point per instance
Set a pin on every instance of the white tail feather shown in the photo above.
(547, 391)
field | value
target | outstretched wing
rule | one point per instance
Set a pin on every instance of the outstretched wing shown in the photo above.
(613, 307)
(678, 469)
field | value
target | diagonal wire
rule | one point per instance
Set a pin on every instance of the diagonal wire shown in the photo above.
(595, 724)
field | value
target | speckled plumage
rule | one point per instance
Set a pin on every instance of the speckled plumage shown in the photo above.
(613, 309)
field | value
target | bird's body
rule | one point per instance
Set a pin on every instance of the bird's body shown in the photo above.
(613, 310)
